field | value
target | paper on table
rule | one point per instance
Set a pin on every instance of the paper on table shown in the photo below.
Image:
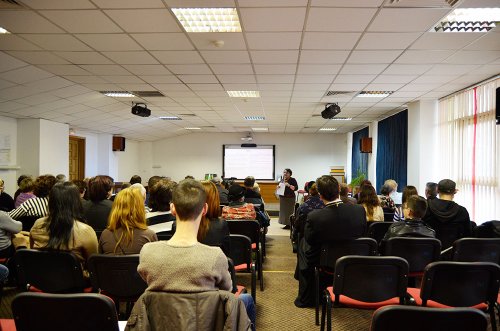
(281, 189)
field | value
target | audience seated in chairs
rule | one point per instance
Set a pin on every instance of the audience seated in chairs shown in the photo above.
(250, 191)
(160, 196)
(26, 188)
(431, 190)
(182, 264)
(407, 192)
(237, 208)
(344, 195)
(127, 231)
(96, 210)
(450, 220)
(8, 226)
(386, 201)
(6, 201)
(369, 200)
(312, 203)
(223, 192)
(63, 229)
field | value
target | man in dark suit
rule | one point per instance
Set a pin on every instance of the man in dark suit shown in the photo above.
(337, 221)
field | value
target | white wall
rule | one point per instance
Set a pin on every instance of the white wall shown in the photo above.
(8, 172)
(54, 148)
(348, 167)
(28, 146)
(307, 155)
(372, 157)
(135, 160)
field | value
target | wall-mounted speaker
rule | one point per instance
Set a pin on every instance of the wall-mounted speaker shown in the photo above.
(118, 144)
(365, 145)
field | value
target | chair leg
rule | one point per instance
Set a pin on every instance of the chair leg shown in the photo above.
(328, 311)
(261, 273)
(254, 283)
(323, 314)
(316, 294)
(492, 317)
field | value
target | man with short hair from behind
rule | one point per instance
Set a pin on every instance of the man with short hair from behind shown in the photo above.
(450, 220)
(336, 221)
(344, 195)
(135, 179)
(182, 264)
(223, 192)
(431, 190)
(250, 193)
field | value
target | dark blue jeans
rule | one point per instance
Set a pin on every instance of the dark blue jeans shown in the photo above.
(250, 307)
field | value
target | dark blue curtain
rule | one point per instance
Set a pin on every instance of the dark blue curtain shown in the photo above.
(392, 149)
(359, 160)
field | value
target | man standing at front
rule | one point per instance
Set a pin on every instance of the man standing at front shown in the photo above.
(337, 221)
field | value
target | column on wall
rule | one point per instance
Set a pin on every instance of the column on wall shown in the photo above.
(372, 157)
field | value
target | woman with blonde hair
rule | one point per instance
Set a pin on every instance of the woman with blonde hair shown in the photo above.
(127, 231)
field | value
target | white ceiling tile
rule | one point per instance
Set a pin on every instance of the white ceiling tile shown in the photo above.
(273, 40)
(203, 79)
(144, 20)
(107, 4)
(189, 69)
(16, 92)
(59, 4)
(419, 87)
(163, 41)
(136, 87)
(276, 87)
(81, 21)
(64, 69)
(177, 57)
(50, 83)
(487, 69)
(280, 57)
(109, 42)
(70, 91)
(373, 56)
(407, 69)
(275, 3)
(243, 87)
(25, 21)
(148, 69)
(272, 19)
(122, 79)
(5, 84)
(328, 57)
(37, 99)
(84, 57)
(406, 19)
(85, 79)
(8, 62)
(383, 87)
(275, 79)
(473, 57)
(163, 79)
(339, 19)
(24, 75)
(489, 42)
(433, 40)
(424, 79)
(386, 79)
(274, 69)
(12, 42)
(349, 79)
(38, 57)
(135, 57)
(56, 42)
(236, 78)
(347, 87)
(314, 79)
(103, 87)
(317, 69)
(105, 69)
(329, 40)
(311, 87)
(226, 56)
(387, 40)
(205, 41)
(235, 69)
(362, 69)
(424, 56)
(452, 69)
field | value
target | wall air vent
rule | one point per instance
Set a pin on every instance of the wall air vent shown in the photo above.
(331, 93)
(147, 94)
(187, 115)
(421, 3)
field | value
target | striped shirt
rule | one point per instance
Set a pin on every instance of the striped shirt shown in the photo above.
(32, 207)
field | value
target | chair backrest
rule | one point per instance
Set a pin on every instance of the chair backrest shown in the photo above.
(164, 235)
(418, 252)
(396, 318)
(232, 272)
(116, 275)
(249, 228)
(370, 278)
(28, 222)
(477, 250)
(460, 284)
(76, 312)
(241, 249)
(448, 233)
(332, 251)
(377, 230)
(49, 271)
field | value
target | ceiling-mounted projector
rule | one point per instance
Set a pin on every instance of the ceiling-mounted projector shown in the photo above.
(140, 109)
(247, 138)
(331, 110)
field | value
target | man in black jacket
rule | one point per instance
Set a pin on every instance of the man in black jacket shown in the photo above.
(450, 220)
(337, 221)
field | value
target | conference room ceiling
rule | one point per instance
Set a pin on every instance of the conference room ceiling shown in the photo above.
(60, 54)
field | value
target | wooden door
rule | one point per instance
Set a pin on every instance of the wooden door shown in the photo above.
(76, 158)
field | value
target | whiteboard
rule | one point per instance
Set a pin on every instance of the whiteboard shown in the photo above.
(240, 162)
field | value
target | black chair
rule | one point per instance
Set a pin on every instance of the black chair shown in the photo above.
(241, 256)
(367, 282)
(418, 252)
(252, 230)
(377, 230)
(116, 276)
(477, 250)
(76, 312)
(388, 214)
(237, 289)
(396, 318)
(28, 222)
(164, 235)
(459, 284)
(50, 271)
(331, 252)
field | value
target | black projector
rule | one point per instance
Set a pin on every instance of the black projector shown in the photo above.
(142, 111)
(330, 111)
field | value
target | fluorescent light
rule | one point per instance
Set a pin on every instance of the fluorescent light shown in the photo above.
(255, 118)
(3, 31)
(169, 118)
(328, 129)
(116, 94)
(243, 94)
(469, 20)
(341, 119)
(208, 19)
(259, 129)
(374, 94)
(193, 128)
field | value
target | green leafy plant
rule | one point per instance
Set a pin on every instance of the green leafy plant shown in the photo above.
(360, 176)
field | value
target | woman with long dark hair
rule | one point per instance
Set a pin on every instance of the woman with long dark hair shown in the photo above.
(96, 210)
(213, 230)
(63, 228)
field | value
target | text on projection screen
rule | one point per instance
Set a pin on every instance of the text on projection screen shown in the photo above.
(255, 161)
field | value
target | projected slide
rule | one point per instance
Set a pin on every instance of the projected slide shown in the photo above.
(241, 162)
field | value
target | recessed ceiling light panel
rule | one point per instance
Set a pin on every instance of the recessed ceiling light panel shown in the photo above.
(3, 31)
(208, 19)
(192, 128)
(170, 118)
(469, 20)
(255, 118)
(374, 94)
(328, 129)
(243, 94)
(260, 129)
(118, 94)
(341, 119)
